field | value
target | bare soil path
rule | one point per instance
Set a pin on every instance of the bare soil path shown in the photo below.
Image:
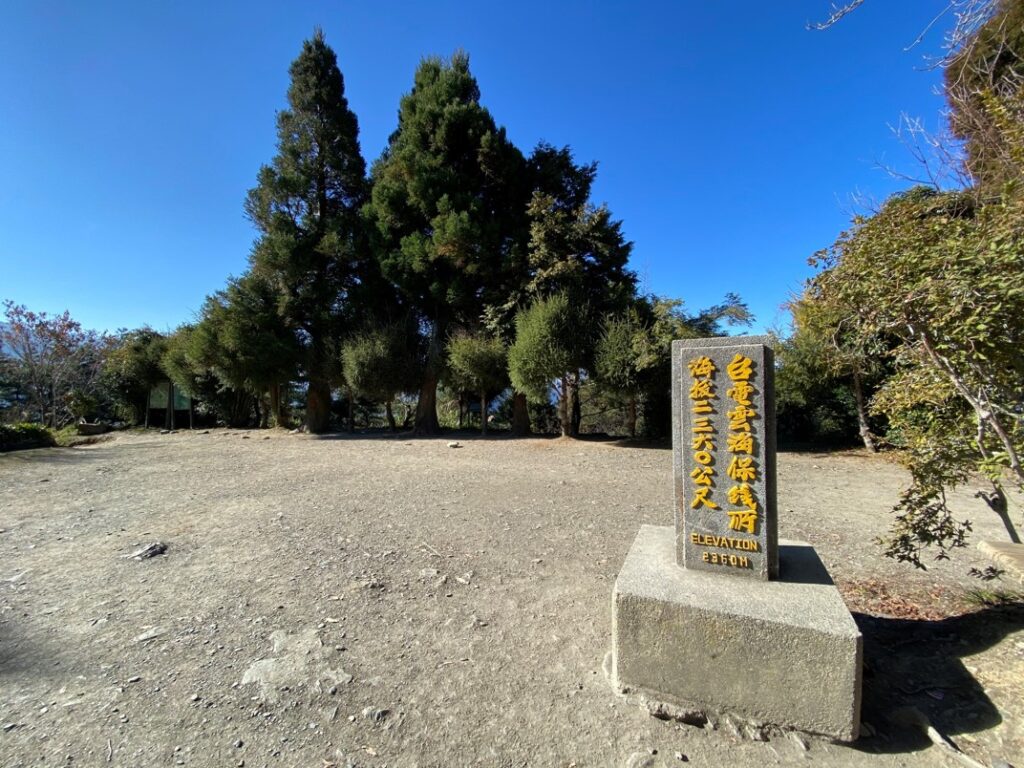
(388, 601)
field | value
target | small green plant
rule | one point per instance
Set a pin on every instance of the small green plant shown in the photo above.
(986, 598)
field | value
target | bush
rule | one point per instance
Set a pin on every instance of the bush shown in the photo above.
(15, 437)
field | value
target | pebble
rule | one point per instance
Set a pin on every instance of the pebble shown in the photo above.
(374, 714)
(195, 697)
(134, 679)
(238, 744)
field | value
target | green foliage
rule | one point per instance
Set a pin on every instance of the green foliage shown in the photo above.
(549, 344)
(983, 88)
(183, 363)
(634, 355)
(942, 278)
(827, 371)
(380, 362)
(478, 363)
(625, 353)
(575, 247)
(243, 341)
(131, 369)
(15, 437)
(307, 205)
(447, 204)
(813, 405)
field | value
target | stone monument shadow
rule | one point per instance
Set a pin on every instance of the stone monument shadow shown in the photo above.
(800, 564)
(919, 664)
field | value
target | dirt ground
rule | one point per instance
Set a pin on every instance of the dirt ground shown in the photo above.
(385, 601)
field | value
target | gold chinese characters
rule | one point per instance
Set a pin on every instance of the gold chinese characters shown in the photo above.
(742, 468)
(702, 395)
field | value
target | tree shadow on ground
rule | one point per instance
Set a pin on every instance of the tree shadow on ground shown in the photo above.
(472, 435)
(56, 456)
(919, 664)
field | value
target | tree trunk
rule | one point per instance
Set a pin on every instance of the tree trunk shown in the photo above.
(574, 401)
(462, 406)
(631, 415)
(520, 415)
(351, 410)
(240, 410)
(169, 412)
(390, 414)
(318, 405)
(862, 414)
(483, 413)
(426, 406)
(263, 406)
(563, 407)
(277, 406)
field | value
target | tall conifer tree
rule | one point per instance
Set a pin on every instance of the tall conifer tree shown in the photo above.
(448, 202)
(306, 205)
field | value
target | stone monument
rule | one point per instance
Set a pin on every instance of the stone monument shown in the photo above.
(717, 613)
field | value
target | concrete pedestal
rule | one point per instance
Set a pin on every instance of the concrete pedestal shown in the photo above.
(783, 652)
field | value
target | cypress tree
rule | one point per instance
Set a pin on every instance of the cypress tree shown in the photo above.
(306, 205)
(448, 206)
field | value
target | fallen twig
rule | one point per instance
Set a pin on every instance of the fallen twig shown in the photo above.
(151, 550)
(913, 717)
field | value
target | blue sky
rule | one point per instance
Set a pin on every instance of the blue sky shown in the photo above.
(729, 138)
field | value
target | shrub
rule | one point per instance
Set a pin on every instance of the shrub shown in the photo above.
(15, 437)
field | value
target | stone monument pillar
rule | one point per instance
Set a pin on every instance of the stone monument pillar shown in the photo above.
(717, 613)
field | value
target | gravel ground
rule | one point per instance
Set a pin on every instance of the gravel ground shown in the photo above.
(387, 601)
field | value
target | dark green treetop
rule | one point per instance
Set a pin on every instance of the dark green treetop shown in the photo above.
(307, 206)
(448, 204)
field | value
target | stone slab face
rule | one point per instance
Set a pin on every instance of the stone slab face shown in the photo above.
(723, 441)
(784, 652)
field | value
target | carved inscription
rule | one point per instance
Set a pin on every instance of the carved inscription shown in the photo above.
(725, 476)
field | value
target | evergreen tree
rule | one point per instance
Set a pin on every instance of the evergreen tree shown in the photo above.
(550, 348)
(479, 364)
(182, 364)
(446, 203)
(380, 362)
(243, 341)
(575, 250)
(306, 205)
(575, 247)
(131, 369)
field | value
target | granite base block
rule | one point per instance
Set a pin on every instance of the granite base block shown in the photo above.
(784, 652)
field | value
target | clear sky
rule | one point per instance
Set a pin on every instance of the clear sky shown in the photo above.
(729, 137)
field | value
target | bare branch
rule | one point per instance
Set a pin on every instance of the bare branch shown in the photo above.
(837, 13)
(938, 155)
(968, 17)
